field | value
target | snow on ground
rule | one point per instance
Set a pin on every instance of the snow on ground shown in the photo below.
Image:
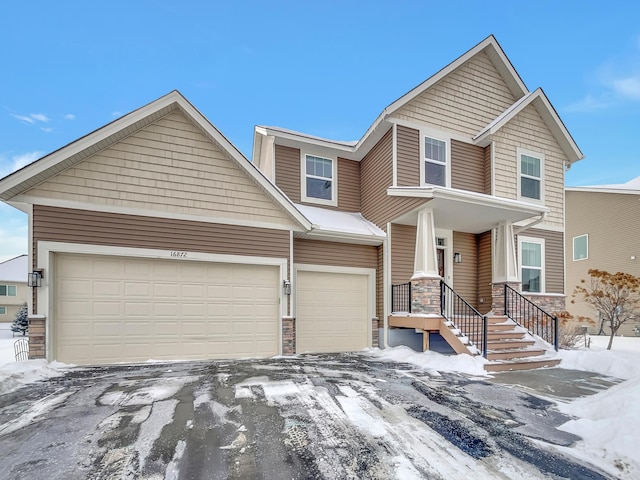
(608, 422)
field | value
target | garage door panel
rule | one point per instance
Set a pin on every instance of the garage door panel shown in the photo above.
(162, 309)
(332, 313)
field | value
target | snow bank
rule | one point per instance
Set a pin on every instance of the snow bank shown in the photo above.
(16, 374)
(432, 361)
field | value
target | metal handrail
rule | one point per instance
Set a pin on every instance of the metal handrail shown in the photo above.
(530, 316)
(471, 323)
(401, 297)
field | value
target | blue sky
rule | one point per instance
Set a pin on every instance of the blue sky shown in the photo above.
(326, 68)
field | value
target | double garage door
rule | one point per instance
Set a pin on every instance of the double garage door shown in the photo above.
(122, 309)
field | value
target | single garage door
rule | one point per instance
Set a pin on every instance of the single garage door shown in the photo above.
(332, 313)
(121, 309)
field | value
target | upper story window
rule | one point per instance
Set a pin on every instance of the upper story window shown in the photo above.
(531, 254)
(435, 161)
(319, 180)
(7, 290)
(581, 247)
(531, 175)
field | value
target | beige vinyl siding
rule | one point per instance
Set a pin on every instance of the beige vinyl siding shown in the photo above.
(467, 167)
(553, 258)
(465, 274)
(487, 170)
(333, 253)
(408, 156)
(403, 247)
(527, 130)
(485, 273)
(169, 166)
(348, 185)
(465, 101)
(288, 171)
(612, 223)
(376, 175)
(98, 228)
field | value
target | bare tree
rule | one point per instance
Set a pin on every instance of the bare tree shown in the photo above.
(616, 297)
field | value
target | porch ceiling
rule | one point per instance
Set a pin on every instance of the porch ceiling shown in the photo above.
(464, 211)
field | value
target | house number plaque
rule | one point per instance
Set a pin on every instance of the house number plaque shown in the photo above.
(177, 254)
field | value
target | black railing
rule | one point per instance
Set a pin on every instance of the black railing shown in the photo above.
(471, 323)
(530, 316)
(401, 298)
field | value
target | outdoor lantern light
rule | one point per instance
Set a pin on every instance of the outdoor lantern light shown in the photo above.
(286, 287)
(35, 278)
(457, 257)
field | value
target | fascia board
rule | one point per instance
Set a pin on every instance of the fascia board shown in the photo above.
(624, 191)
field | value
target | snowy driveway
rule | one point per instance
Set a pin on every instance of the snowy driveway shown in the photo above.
(314, 416)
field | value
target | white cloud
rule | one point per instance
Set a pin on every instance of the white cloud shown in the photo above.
(23, 118)
(41, 117)
(69, 116)
(628, 87)
(14, 232)
(11, 164)
(116, 114)
(617, 82)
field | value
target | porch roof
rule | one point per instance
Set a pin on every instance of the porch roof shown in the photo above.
(465, 211)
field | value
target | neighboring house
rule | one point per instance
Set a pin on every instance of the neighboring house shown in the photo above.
(602, 232)
(158, 239)
(14, 292)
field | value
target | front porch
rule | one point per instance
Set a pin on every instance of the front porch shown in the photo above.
(521, 336)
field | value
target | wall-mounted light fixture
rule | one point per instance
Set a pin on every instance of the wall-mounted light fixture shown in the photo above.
(286, 287)
(34, 278)
(457, 257)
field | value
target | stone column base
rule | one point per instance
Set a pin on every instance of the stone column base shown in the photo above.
(425, 295)
(37, 336)
(288, 336)
(497, 296)
(375, 340)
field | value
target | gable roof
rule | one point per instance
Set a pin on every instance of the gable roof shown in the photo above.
(14, 269)
(549, 115)
(75, 152)
(496, 54)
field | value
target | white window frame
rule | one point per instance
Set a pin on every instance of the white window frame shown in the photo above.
(586, 237)
(3, 310)
(540, 156)
(7, 294)
(539, 241)
(423, 158)
(333, 202)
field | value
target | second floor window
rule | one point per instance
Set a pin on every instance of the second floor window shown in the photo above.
(435, 161)
(531, 169)
(7, 290)
(319, 181)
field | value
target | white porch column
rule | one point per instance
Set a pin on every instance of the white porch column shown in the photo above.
(505, 265)
(425, 260)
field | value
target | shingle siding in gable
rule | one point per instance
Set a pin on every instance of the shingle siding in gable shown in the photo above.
(465, 101)
(528, 130)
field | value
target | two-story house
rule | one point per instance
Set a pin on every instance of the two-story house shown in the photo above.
(602, 230)
(157, 239)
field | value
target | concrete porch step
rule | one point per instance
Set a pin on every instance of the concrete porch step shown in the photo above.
(510, 354)
(522, 364)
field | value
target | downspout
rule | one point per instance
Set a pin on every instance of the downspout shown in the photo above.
(521, 229)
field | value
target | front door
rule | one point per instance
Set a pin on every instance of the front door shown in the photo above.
(440, 251)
